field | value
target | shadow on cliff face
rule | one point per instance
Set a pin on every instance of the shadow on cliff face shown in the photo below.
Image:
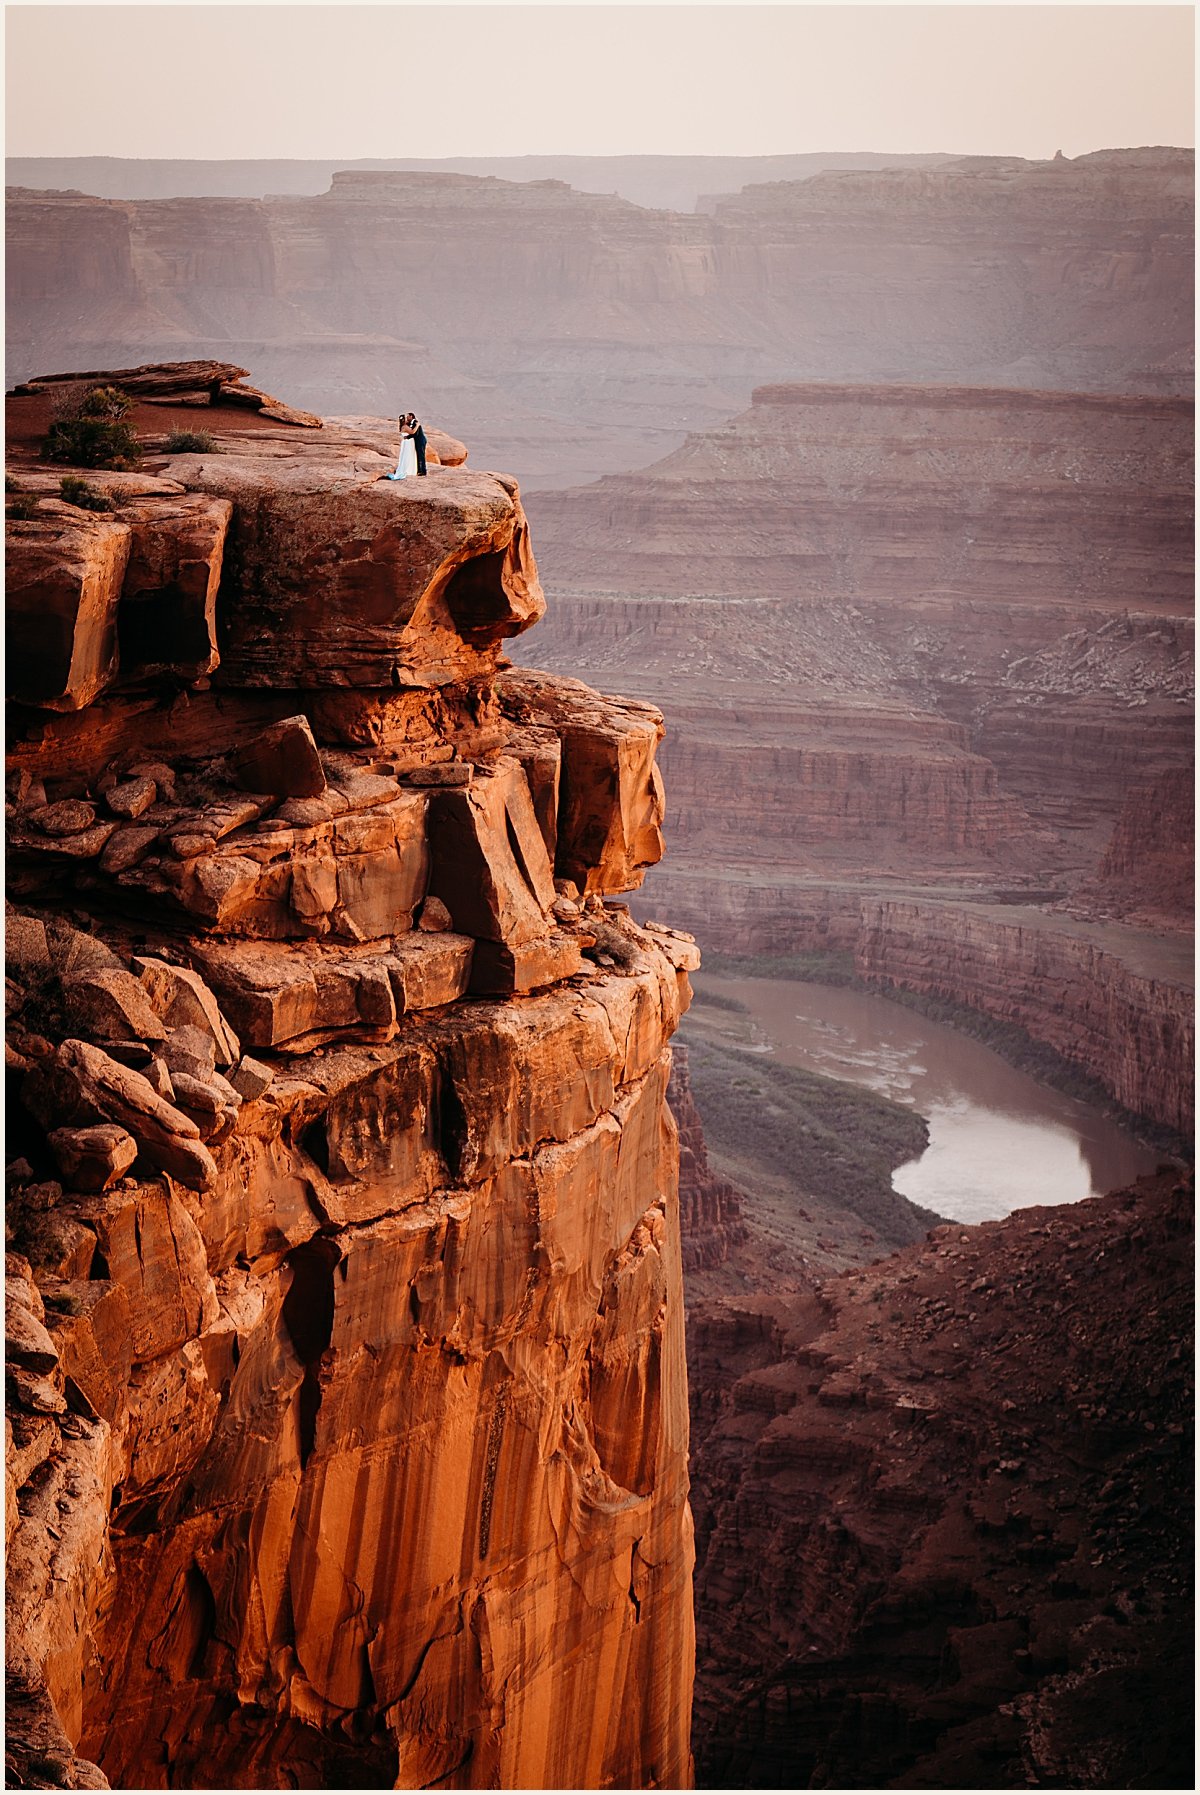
(308, 1318)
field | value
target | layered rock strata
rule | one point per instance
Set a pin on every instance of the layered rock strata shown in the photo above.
(943, 1512)
(710, 1208)
(1148, 871)
(1116, 1004)
(930, 640)
(348, 1414)
(574, 333)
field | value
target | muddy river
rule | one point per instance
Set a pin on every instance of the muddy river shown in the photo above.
(998, 1140)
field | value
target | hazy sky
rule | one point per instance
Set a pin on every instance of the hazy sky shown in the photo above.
(460, 80)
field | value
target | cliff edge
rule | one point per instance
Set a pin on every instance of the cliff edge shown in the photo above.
(348, 1426)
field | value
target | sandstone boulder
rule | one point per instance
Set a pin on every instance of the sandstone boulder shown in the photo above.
(282, 760)
(84, 1085)
(190, 1050)
(92, 1159)
(111, 1005)
(131, 797)
(64, 572)
(26, 1341)
(26, 947)
(611, 806)
(489, 864)
(184, 1001)
(70, 816)
(250, 1078)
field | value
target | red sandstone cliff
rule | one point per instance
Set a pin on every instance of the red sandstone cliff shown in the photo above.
(710, 1217)
(646, 323)
(1148, 871)
(348, 1413)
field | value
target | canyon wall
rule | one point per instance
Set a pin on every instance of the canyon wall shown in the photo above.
(919, 646)
(710, 1209)
(570, 334)
(348, 1428)
(1117, 1004)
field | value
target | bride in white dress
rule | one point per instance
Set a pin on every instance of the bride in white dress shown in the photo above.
(406, 464)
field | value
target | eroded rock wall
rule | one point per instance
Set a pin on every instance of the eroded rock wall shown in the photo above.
(349, 1425)
(649, 323)
(710, 1207)
(918, 646)
(1117, 1005)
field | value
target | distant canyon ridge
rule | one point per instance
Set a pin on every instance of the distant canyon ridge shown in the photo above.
(569, 333)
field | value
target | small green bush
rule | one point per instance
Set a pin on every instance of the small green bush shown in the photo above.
(19, 503)
(95, 432)
(64, 1304)
(74, 491)
(191, 442)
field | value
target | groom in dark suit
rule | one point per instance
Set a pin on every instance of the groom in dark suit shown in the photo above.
(420, 439)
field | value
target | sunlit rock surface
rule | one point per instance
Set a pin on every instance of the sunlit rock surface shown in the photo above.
(348, 1410)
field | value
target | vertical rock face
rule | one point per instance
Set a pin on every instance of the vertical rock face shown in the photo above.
(710, 1207)
(348, 1439)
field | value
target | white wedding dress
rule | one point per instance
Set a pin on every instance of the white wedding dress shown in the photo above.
(407, 463)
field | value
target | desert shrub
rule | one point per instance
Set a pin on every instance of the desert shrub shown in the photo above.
(18, 503)
(64, 1304)
(74, 491)
(93, 431)
(717, 1000)
(191, 442)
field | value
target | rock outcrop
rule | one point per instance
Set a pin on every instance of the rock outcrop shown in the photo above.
(648, 323)
(348, 1414)
(1147, 875)
(194, 383)
(943, 1512)
(709, 1207)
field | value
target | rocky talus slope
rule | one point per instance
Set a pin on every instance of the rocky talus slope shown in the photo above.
(347, 1431)
(943, 1511)
(930, 640)
(570, 334)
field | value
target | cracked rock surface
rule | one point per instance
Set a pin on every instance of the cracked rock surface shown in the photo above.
(348, 1414)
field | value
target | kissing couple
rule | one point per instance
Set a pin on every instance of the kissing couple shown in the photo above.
(412, 448)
